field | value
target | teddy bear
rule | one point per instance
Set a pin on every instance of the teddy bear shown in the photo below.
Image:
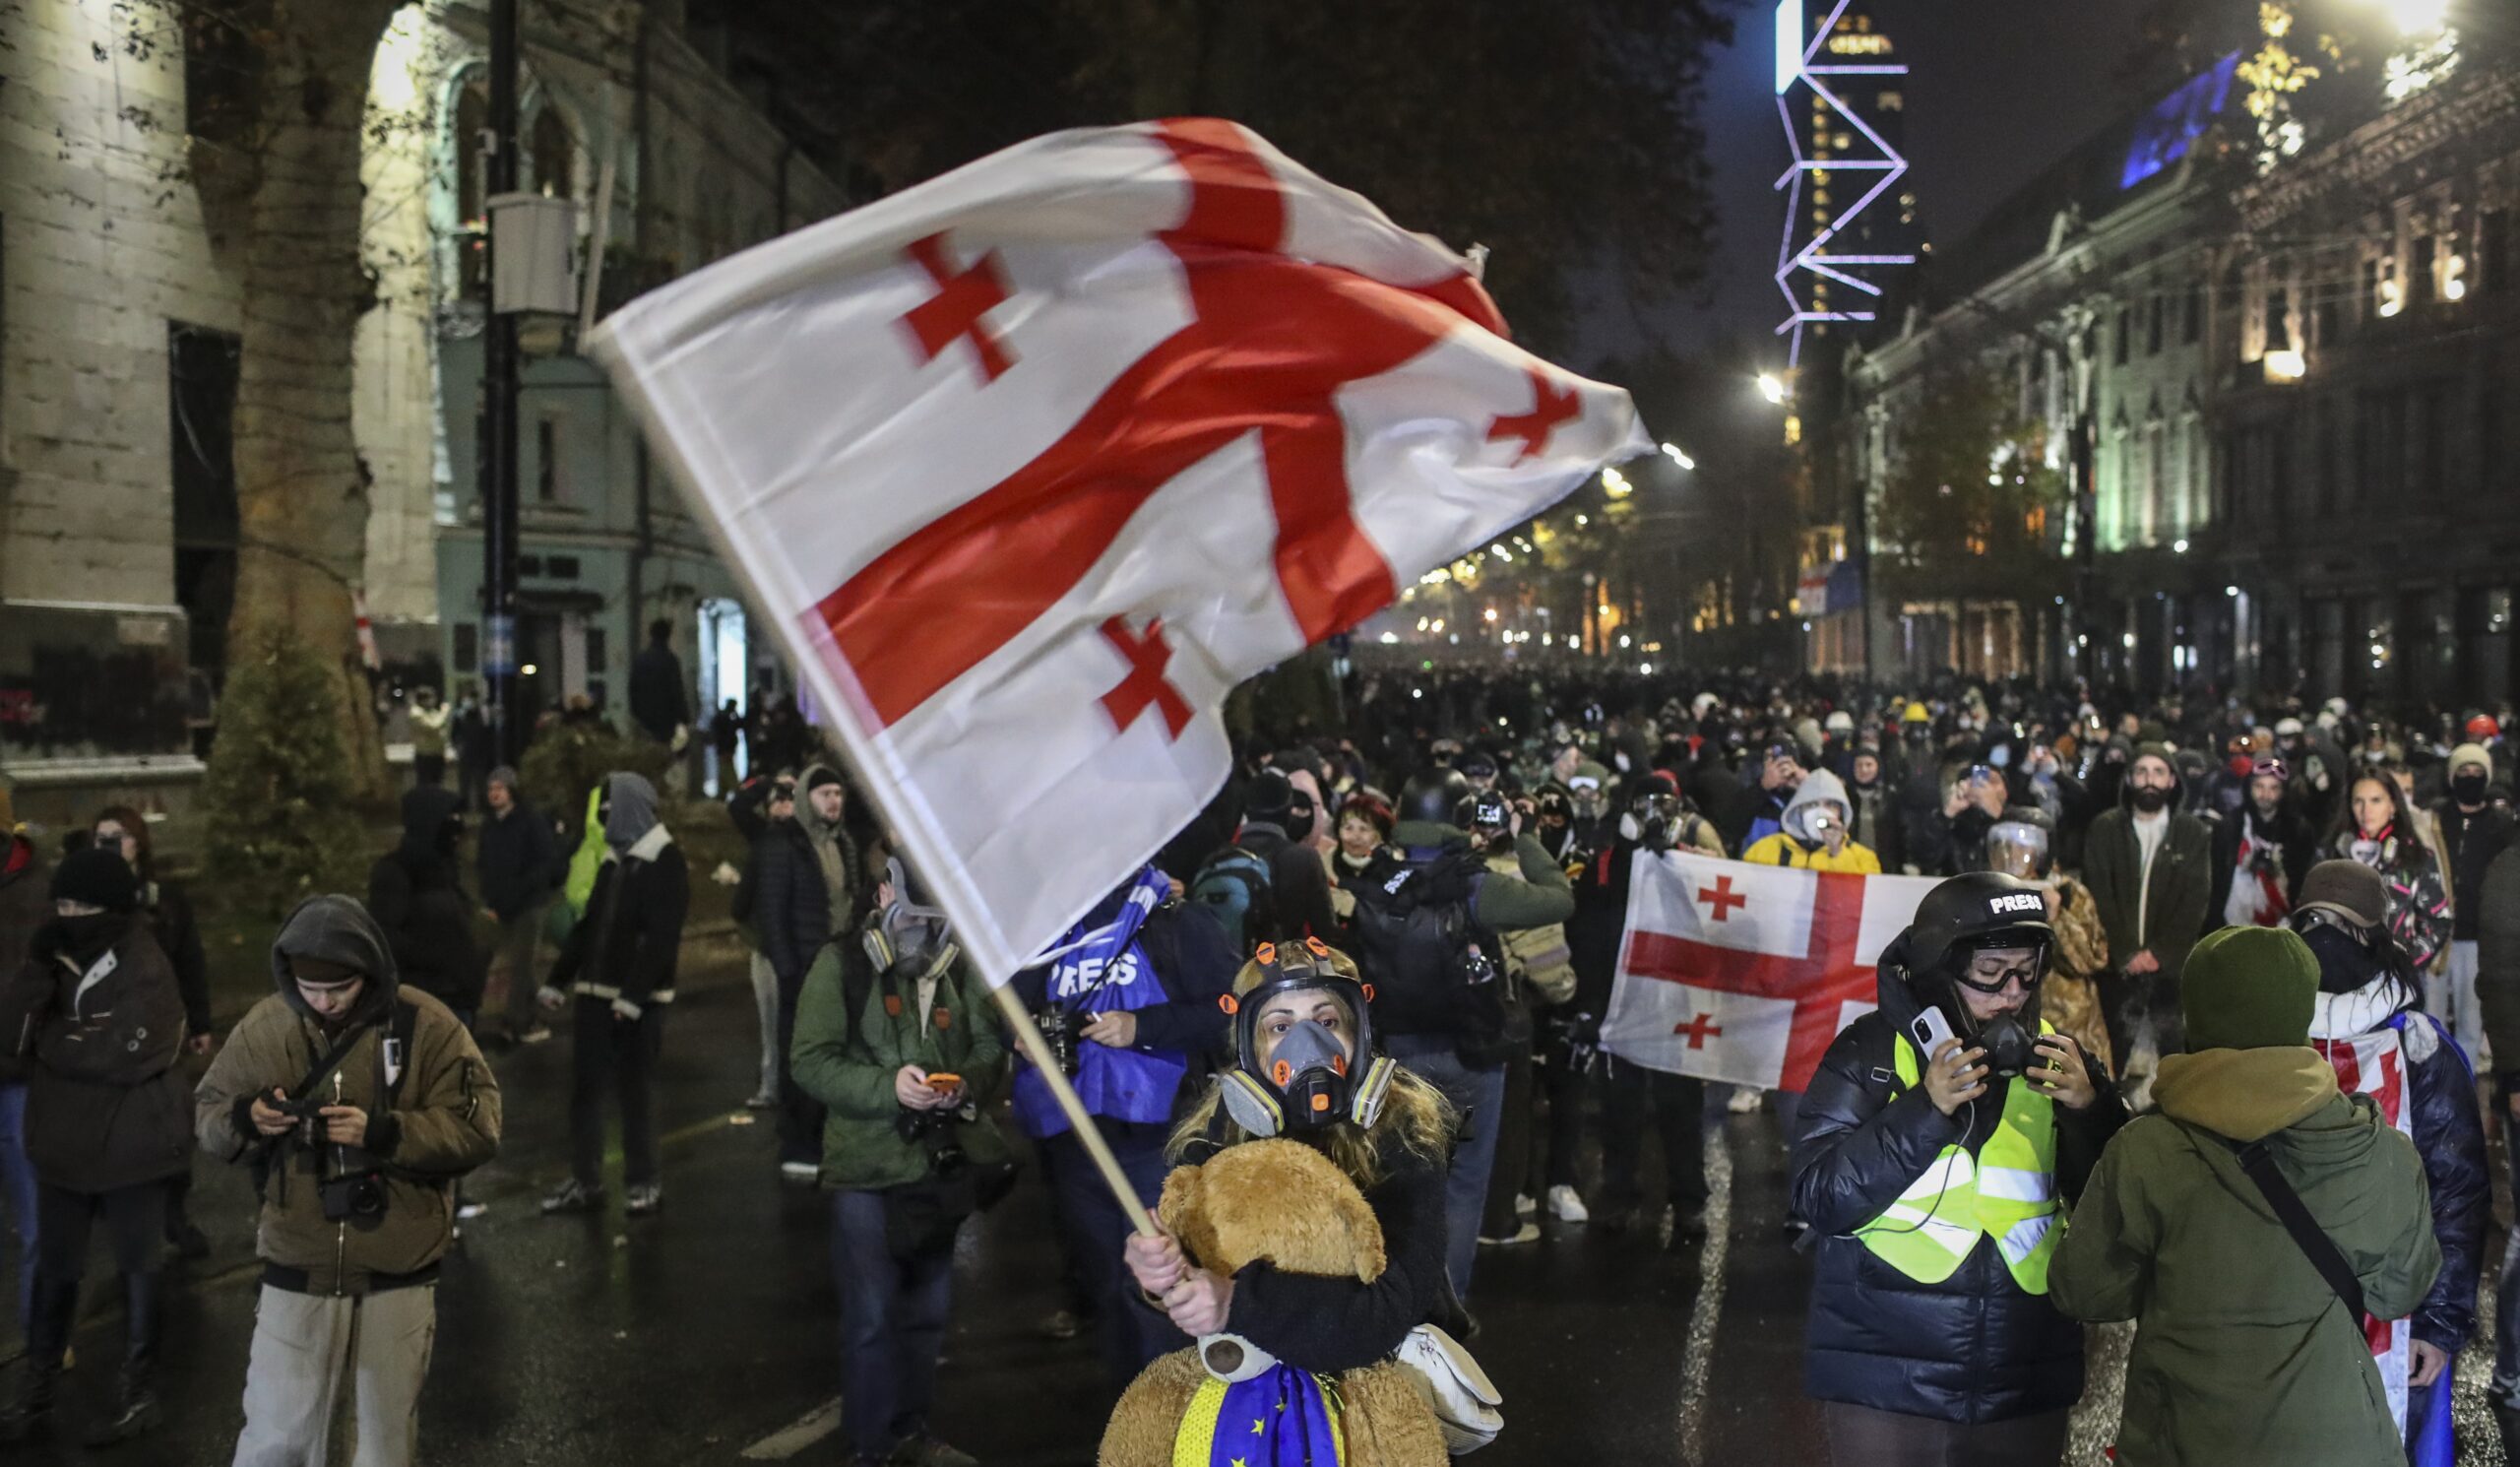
(1286, 1203)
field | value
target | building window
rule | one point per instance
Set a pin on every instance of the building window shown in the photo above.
(2496, 257)
(594, 655)
(2192, 324)
(472, 231)
(2374, 275)
(467, 647)
(2126, 334)
(222, 65)
(2155, 474)
(2425, 269)
(554, 155)
(1893, 101)
(546, 461)
(561, 567)
(2154, 333)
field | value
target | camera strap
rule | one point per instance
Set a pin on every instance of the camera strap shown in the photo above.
(398, 1034)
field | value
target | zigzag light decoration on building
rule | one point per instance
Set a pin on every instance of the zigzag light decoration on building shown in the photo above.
(1796, 60)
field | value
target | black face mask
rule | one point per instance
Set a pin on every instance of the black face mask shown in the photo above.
(2468, 789)
(2007, 1042)
(2346, 963)
(2150, 800)
(84, 939)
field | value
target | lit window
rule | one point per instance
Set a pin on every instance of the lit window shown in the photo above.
(1819, 196)
(1841, 140)
(1893, 101)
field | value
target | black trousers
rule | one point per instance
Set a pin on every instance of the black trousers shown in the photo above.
(135, 1228)
(1633, 1097)
(1513, 1151)
(1557, 1146)
(615, 1061)
(1861, 1436)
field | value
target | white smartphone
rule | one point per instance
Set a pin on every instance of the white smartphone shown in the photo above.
(1930, 1029)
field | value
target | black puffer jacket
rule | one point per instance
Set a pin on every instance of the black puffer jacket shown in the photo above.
(1973, 1348)
(787, 899)
(413, 895)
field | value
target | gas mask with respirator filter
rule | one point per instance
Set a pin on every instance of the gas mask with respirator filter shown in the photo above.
(908, 936)
(1963, 920)
(1309, 1077)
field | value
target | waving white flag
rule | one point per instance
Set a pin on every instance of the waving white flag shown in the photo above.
(1031, 464)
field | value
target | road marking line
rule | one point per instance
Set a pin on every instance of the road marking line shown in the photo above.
(804, 1432)
(1697, 1357)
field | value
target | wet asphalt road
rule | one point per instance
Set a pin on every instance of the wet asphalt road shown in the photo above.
(707, 1334)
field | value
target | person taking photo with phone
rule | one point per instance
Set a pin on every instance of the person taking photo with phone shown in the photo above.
(1814, 834)
(1933, 1154)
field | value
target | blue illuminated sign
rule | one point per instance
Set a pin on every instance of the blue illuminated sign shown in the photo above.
(2169, 129)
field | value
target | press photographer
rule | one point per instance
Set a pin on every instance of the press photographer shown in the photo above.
(358, 1103)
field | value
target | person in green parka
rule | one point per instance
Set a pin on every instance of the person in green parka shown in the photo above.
(2243, 1355)
(896, 1036)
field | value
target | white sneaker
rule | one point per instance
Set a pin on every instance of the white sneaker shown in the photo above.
(800, 1172)
(1525, 1204)
(1567, 1208)
(1745, 1100)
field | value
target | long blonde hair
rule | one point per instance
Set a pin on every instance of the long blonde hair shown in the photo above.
(1414, 1116)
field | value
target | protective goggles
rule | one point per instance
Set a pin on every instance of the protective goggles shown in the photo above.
(2026, 972)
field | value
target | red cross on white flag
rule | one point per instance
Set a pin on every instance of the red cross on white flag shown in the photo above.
(1031, 464)
(1744, 973)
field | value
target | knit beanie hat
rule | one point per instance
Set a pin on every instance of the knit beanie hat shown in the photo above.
(2348, 888)
(2249, 989)
(506, 774)
(819, 775)
(2466, 753)
(97, 878)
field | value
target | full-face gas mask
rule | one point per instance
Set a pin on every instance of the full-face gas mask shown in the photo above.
(1308, 1076)
(1653, 820)
(909, 933)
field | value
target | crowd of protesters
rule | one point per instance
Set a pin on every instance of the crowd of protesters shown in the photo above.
(1459, 851)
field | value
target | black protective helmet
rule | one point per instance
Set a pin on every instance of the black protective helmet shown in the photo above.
(1980, 910)
(1431, 797)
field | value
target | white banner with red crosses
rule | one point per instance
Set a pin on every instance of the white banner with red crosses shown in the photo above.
(1031, 464)
(1746, 973)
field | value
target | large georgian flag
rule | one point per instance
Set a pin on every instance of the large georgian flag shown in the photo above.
(1744, 973)
(1031, 464)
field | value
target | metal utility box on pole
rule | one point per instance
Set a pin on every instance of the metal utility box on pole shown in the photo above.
(499, 387)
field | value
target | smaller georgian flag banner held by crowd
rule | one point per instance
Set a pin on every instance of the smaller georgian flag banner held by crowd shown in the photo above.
(1746, 973)
(1033, 463)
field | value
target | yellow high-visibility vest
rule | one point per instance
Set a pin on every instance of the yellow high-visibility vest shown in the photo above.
(2007, 1193)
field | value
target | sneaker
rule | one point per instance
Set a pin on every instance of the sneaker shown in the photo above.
(800, 1174)
(535, 1034)
(927, 1452)
(762, 1102)
(573, 1197)
(1526, 1232)
(1525, 1204)
(1066, 1324)
(1566, 1206)
(643, 1201)
(1745, 1101)
(471, 1210)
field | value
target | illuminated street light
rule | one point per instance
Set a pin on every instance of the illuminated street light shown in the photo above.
(1616, 484)
(2286, 365)
(1772, 387)
(1673, 452)
(2420, 16)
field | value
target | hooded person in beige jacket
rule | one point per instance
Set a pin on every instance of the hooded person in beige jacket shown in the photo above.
(356, 1176)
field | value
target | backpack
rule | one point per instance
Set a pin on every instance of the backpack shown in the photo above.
(1427, 968)
(1233, 886)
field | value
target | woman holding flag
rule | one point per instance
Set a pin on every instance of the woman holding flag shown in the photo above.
(1933, 1151)
(1128, 1003)
(1305, 1068)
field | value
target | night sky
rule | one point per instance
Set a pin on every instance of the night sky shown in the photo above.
(1999, 90)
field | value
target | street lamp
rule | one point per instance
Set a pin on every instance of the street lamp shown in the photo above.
(2420, 16)
(1772, 387)
(1673, 452)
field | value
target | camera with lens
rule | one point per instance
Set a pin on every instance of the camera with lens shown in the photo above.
(1058, 1032)
(931, 1132)
(359, 1198)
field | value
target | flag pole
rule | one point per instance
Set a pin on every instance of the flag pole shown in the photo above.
(1028, 1037)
